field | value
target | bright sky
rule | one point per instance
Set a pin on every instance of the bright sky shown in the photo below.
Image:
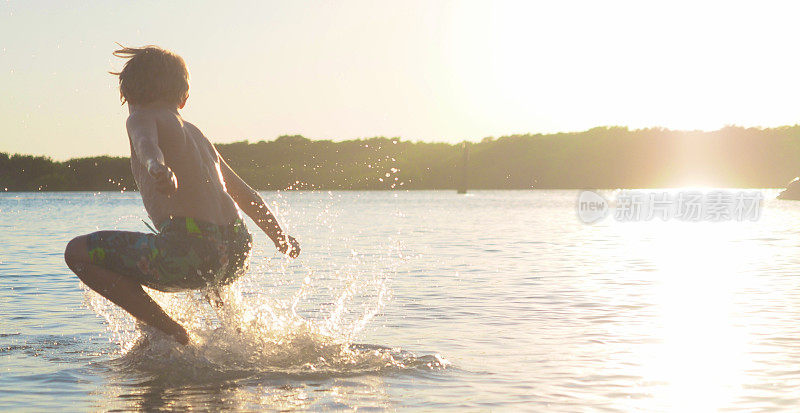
(421, 70)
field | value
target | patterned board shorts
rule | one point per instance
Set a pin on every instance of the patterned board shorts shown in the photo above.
(186, 254)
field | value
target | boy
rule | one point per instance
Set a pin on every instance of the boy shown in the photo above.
(190, 194)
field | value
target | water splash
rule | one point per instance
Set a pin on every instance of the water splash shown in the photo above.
(256, 332)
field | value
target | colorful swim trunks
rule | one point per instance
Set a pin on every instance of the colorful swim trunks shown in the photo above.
(186, 254)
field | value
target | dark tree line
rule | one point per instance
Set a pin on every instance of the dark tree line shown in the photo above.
(37, 173)
(605, 157)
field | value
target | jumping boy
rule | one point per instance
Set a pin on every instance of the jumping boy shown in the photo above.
(190, 194)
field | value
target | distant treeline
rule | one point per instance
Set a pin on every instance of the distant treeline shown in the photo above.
(604, 157)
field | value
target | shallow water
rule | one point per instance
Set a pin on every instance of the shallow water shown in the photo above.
(498, 300)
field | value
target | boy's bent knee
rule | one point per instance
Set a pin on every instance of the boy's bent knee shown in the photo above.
(76, 251)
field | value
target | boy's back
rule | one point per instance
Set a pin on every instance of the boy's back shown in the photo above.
(191, 157)
(190, 194)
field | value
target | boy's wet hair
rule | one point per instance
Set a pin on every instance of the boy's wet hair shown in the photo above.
(152, 74)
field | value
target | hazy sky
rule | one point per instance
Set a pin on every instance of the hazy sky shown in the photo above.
(421, 70)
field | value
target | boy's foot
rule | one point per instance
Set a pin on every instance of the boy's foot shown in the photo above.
(182, 338)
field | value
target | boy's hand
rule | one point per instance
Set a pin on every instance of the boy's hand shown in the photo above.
(286, 244)
(166, 182)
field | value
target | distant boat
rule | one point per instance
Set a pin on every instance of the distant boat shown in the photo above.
(792, 191)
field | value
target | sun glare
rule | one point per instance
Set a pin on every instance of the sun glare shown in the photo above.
(700, 354)
(574, 65)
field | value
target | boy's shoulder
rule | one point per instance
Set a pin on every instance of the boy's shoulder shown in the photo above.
(159, 119)
(152, 114)
(190, 128)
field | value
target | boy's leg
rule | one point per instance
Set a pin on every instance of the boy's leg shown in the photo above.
(121, 290)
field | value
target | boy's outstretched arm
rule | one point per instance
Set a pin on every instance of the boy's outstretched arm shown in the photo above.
(143, 133)
(253, 205)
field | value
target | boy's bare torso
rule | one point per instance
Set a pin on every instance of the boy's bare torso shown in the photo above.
(201, 189)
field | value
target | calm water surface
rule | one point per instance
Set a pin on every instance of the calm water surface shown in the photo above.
(496, 301)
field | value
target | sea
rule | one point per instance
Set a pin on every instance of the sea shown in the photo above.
(419, 301)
